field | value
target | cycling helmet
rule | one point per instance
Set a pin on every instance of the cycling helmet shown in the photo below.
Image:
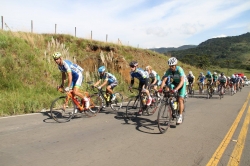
(233, 76)
(222, 74)
(172, 61)
(208, 72)
(236, 75)
(201, 73)
(133, 64)
(190, 72)
(101, 69)
(215, 73)
(56, 55)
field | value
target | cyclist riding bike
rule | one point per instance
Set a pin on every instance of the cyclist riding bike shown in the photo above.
(209, 78)
(191, 79)
(143, 78)
(201, 79)
(74, 74)
(237, 81)
(155, 78)
(233, 82)
(178, 84)
(215, 79)
(222, 81)
(109, 80)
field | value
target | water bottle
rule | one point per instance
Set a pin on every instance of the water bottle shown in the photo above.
(108, 97)
(144, 100)
(172, 103)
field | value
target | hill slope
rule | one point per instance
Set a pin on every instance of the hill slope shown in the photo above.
(233, 52)
(165, 50)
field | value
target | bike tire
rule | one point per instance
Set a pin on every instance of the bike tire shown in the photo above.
(151, 109)
(96, 105)
(132, 107)
(163, 117)
(61, 112)
(116, 104)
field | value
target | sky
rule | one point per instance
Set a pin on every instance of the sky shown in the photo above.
(137, 23)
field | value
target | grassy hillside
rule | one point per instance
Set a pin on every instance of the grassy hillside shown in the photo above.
(29, 75)
(228, 52)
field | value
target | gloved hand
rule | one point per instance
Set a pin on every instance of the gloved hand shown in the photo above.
(67, 89)
(99, 87)
(173, 91)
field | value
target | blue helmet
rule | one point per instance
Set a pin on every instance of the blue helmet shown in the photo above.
(101, 69)
(208, 72)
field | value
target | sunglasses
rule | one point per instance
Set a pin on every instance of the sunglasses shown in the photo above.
(56, 59)
(132, 66)
(171, 66)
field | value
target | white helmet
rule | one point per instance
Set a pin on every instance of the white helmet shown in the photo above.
(233, 76)
(190, 72)
(172, 61)
(236, 75)
(215, 73)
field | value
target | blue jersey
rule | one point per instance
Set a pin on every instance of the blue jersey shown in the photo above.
(109, 77)
(202, 78)
(140, 74)
(68, 66)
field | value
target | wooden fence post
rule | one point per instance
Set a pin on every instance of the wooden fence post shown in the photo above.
(91, 36)
(55, 28)
(31, 26)
(106, 38)
(2, 21)
(75, 31)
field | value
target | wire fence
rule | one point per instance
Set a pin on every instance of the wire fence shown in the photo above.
(13, 24)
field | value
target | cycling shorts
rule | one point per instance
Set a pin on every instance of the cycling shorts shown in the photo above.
(182, 90)
(77, 81)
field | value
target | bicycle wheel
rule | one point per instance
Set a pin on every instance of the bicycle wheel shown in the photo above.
(95, 105)
(61, 110)
(117, 103)
(132, 107)
(164, 117)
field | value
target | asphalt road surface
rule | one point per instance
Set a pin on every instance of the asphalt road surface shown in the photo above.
(214, 132)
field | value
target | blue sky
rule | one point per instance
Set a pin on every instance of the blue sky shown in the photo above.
(143, 23)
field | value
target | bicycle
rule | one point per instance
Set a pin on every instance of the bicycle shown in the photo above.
(200, 87)
(221, 90)
(169, 111)
(64, 108)
(115, 103)
(190, 89)
(210, 90)
(139, 103)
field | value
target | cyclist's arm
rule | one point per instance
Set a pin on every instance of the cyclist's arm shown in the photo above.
(63, 79)
(104, 83)
(97, 83)
(69, 78)
(132, 82)
(163, 82)
(180, 84)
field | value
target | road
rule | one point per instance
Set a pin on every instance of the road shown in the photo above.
(208, 136)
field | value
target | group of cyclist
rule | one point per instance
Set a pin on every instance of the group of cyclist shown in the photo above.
(217, 80)
(174, 80)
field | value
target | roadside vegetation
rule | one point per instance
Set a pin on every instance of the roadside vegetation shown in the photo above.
(29, 75)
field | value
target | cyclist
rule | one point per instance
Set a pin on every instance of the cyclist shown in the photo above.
(233, 81)
(201, 79)
(222, 81)
(215, 79)
(74, 74)
(237, 82)
(191, 79)
(209, 79)
(178, 84)
(155, 78)
(109, 80)
(143, 78)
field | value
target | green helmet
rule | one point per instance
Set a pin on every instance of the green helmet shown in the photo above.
(56, 55)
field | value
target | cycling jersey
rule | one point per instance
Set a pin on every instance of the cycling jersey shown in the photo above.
(176, 76)
(68, 66)
(201, 78)
(222, 79)
(215, 77)
(209, 77)
(190, 78)
(154, 75)
(76, 71)
(140, 74)
(109, 77)
(233, 80)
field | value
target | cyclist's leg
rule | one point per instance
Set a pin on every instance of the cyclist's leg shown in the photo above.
(76, 84)
(181, 101)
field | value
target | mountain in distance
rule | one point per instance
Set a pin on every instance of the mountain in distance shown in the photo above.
(165, 50)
